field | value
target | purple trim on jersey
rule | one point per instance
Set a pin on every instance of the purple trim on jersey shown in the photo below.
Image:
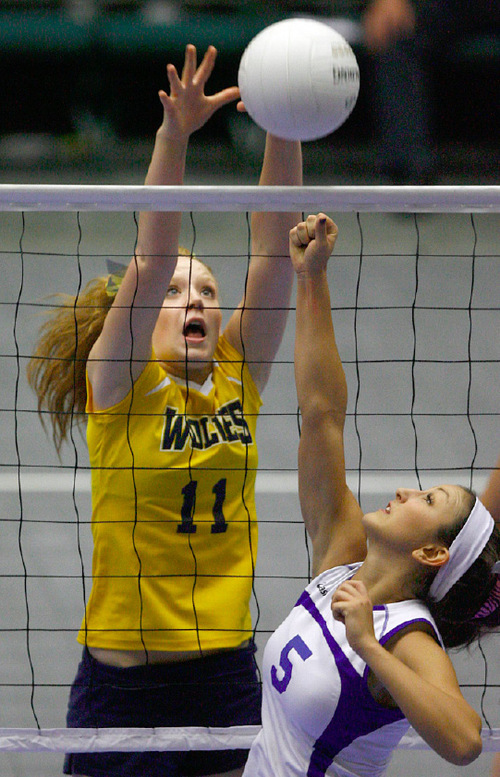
(383, 640)
(386, 620)
(306, 602)
(351, 720)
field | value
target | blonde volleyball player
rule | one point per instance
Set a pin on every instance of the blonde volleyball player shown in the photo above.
(172, 409)
(362, 654)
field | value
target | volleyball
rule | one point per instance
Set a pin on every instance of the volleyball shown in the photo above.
(299, 79)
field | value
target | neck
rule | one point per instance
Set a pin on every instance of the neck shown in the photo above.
(386, 579)
(196, 373)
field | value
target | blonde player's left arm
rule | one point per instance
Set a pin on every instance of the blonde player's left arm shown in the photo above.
(256, 327)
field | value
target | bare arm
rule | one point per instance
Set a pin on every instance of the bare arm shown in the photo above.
(418, 675)
(331, 514)
(270, 278)
(491, 494)
(124, 344)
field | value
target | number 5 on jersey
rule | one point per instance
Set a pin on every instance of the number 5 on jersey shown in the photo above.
(299, 646)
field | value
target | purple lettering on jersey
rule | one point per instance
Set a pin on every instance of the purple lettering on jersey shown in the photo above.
(300, 647)
(357, 713)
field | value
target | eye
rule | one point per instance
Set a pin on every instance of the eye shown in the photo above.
(172, 291)
(208, 291)
(429, 498)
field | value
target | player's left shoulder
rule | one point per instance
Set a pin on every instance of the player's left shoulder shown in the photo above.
(417, 646)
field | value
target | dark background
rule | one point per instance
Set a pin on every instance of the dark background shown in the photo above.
(79, 82)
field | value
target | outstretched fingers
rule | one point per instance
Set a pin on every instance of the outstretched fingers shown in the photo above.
(176, 82)
(191, 76)
(224, 97)
(173, 80)
(202, 75)
(187, 107)
(189, 70)
(206, 66)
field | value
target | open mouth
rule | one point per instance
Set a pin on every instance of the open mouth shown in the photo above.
(194, 330)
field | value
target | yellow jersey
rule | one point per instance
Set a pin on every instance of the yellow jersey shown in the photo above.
(173, 511)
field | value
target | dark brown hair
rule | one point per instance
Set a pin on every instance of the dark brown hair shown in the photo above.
(454, 614)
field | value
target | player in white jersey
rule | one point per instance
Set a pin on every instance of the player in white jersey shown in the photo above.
(361, 657)
(491, 498)
(311, 678)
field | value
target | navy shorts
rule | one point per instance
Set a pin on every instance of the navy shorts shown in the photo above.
(221, 689)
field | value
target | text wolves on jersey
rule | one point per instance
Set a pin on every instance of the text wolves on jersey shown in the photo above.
(226, 425)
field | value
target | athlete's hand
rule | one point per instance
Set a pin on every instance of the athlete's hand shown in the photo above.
(353, 607)
(311, 243)
(187, 107)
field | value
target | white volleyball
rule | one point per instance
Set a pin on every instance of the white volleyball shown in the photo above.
(299, 79)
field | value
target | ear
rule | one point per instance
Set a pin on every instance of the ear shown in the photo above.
(431, 555)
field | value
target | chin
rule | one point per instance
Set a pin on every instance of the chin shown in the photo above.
(199, 367)
(199, 359)
(373, 518)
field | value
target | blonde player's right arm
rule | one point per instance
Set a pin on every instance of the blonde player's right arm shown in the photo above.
(124, 345)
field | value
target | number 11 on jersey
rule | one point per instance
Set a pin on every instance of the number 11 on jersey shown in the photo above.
(187, 525)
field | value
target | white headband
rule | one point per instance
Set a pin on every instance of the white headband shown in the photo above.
(464, 550)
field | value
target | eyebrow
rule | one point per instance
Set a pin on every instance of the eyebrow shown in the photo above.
(439, 488)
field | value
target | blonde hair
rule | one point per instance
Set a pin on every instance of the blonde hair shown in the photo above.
(57, 369)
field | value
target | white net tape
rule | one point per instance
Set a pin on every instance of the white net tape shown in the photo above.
(93, 740)
(378, 199)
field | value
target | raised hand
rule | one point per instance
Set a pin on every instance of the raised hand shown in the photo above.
(187, 107)
(312, 242)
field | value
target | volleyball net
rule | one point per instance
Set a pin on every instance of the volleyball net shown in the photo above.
(414, 287)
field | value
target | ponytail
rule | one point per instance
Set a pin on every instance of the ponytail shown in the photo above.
(56, 371)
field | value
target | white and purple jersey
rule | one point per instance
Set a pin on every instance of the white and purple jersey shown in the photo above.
(318, 716)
